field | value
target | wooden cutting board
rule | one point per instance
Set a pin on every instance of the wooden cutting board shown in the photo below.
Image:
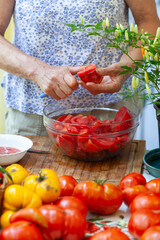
(112, 169)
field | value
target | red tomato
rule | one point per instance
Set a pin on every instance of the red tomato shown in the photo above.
(65, 118)
(146, 200)
(72, 202)
(86, 144)
(55, 217)
(112, 233)
(21, 230)
(1, 178)
(32, 215)
(75, 225)
(103, 143)
(152, 233)
(129, 193)
(89, 74)
(153, 185)
(87, 69)
(141, 220)
(67, 143)
(103, 198)
(132, 179)
(67, 183)
(123, 114)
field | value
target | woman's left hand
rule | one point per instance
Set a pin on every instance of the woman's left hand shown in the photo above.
(111, 82)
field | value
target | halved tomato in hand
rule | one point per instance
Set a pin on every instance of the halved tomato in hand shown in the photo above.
(89, 74)
(101, 198)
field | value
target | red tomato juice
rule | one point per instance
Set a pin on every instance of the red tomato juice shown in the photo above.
(8, 150)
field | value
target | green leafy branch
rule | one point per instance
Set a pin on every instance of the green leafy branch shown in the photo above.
(146, 72)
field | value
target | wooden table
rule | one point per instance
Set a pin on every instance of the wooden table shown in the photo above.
(130, 160)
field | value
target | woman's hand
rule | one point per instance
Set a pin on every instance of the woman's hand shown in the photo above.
(57, 82)
(111, 82)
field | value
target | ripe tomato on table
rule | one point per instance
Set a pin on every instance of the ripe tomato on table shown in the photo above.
(101, 198)
(132, 179)
(21, 230)
(45, 184)
(141, 220)
(75, 225)
(153, 185)
(55, 217)
(72, 202)
(129, 193)
(67, 184)
(152, 233)
(113, 233)
(146, 200)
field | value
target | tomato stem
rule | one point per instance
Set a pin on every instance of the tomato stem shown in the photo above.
(100, 182)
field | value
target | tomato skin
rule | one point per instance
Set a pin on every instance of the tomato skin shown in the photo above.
(101, 199)
(152, 233)
(46, 185)
(111, 233)
(55, 217)
(67, 184)
(146, 200)
(31, 215)
(17, 172)
(129, 193)
(153, 185)
(141, 220)
(72, 202)
(75, 225)
(22, 230)
(132, 179)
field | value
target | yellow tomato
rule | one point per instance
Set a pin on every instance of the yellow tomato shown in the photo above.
(17, 197)
(17, 172)
(5, 218)
(46, 185)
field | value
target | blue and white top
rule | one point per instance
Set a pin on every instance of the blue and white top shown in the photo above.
(40, 32)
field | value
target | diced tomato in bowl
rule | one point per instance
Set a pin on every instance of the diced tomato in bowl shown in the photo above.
(92, 133)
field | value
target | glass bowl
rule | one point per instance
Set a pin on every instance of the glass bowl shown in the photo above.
(92, 133)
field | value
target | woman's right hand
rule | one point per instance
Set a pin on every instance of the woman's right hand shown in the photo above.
(57, 82)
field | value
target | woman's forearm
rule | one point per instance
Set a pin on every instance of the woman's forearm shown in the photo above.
(16, 62)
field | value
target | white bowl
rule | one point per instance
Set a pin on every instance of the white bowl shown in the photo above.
(15, 141)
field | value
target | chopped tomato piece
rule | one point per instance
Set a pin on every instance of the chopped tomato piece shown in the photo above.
(103, 143)
(87, 69)
(123, 114)
(89, 74)
(86, 144)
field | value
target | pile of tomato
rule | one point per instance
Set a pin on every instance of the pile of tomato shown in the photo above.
(86, 137)
(48, 207)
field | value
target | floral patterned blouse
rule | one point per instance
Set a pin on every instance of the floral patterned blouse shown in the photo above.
(40, 32)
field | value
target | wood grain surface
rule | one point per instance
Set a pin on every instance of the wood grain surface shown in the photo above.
(130, 160)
